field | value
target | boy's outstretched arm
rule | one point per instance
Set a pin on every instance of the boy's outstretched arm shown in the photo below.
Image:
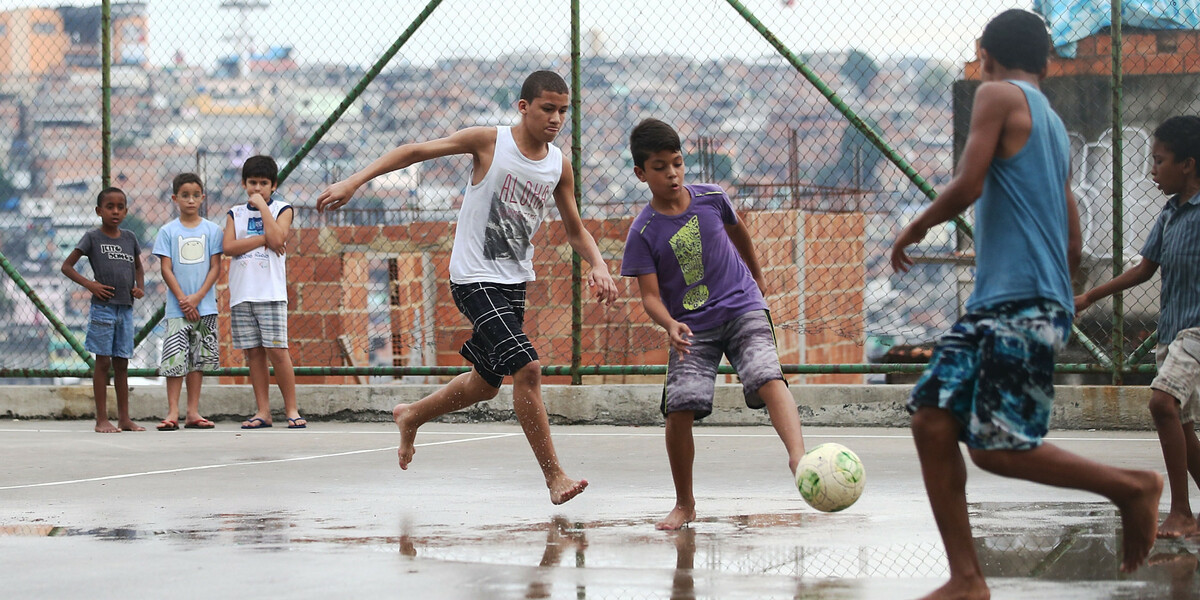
(472, 140)
(1135, 276)
(99, 290)
(994, 102)
(740, 236)
(581, 241)
(653, 305)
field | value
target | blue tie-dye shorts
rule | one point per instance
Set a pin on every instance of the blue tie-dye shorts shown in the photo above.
(994, 371)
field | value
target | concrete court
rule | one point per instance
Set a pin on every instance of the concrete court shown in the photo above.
(325, 512)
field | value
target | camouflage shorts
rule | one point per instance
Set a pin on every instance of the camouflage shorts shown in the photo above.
(189, 346)
(994, 371)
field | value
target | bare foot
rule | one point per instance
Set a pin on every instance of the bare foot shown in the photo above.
(131, 426)
(408, 434)
(974, 588)
(566, 488)
(106, 426)
(677, 518)
(1177, 525)
(1139, 521)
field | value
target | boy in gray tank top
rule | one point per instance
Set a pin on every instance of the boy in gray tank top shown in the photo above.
(515, 173)
(990, 380)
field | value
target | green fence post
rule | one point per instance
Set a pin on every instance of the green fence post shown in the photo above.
(577, 170)
(45, 310)
(105, 94)
(1118, 236)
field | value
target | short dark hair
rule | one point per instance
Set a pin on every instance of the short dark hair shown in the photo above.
(1017, 39)
(1181, 136)
(261, 166)
(110, 190)
(543, 81)
(650, 136)
(183, 178)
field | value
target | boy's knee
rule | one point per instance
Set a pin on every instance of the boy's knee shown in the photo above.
(1163, 407)
(988, 460)
(933, 424)
(530, 374)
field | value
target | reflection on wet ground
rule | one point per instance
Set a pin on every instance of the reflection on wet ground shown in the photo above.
(1053, 542)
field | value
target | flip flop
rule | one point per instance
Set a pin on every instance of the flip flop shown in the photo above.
(200, 423)
(261, 423)
(168, 425)
(293, 425)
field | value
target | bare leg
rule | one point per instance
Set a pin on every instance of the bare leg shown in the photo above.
(531, 413)
(785, 419)
(285, 378)
(1193, 451)
(681, 453)
(1164, 408)
(683, 585)
(260, 378)
(121, 383)
(935, 432)
(194, 380)
(174, 386)
(1135, 493)
(461, 392)
(100, 393)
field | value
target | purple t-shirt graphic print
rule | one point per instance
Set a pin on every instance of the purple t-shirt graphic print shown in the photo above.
(701, 277)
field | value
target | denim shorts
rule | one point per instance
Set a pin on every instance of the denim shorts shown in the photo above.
(110, 330)
(994, 371)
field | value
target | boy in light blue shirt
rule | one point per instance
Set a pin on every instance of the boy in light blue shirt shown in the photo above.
(190, 249)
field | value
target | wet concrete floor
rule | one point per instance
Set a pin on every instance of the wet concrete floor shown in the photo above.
(325, 512)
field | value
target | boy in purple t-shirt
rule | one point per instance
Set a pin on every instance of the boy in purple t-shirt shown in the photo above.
(700, 281)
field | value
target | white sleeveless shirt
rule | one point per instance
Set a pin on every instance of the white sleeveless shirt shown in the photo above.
(259, 275)
(498, 217)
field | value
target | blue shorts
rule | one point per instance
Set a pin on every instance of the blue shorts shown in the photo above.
(110, 330)
(994, 371)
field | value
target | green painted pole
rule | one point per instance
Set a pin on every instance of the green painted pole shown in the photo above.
(357, 90)
(105, 94)
(1091, 346)
(45, 310)
(1146, 346)
(1118, 236)
(576, 170)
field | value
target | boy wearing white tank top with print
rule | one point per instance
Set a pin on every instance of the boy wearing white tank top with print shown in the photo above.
(516, 173)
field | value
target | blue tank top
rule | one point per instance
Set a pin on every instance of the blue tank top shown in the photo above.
(1021, 218)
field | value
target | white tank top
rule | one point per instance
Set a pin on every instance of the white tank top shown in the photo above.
(492, 241)
(259, 275)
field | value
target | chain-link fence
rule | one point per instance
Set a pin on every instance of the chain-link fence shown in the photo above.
(766, 93)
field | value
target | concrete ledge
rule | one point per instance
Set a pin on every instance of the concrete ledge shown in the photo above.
(1076, 407)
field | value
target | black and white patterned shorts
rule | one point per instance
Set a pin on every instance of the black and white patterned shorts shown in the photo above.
(498, 344)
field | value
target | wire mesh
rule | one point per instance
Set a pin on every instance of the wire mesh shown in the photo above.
(201, 86)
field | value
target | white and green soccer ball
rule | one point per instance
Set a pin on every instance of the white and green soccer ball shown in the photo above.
(830, 477)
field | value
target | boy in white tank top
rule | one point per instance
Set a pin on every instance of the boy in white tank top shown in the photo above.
(516, 172)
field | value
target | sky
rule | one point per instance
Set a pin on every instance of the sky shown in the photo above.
(358, 31)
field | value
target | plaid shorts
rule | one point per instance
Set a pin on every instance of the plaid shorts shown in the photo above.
(259, 324)
(749, 342)
(1179, 372)
(189, 346)
(994, 371)
(498, 345)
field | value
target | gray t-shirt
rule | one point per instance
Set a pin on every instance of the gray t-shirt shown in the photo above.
(112, 261)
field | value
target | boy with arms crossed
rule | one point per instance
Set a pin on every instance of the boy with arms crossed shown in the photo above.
(515, 171)
(1174, 243)
(114, 255)
(990, 382)
(189, 249)
(700, 281)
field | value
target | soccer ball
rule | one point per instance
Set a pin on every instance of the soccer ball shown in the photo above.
(830, 477)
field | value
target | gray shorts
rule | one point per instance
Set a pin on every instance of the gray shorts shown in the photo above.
(259, 324)
(748, 341)
(1179, 372)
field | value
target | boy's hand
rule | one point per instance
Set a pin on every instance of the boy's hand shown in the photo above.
(190, 313)
(335, 196)
(137, 293)
(680, 335)
(280, 248)
(99, 290)
(911, 235)
(1082, 303)
(604, 286)
(187, 305)
(257, 201)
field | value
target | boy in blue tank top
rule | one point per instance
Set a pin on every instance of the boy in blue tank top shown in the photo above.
(990, 380)
(516, 173)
